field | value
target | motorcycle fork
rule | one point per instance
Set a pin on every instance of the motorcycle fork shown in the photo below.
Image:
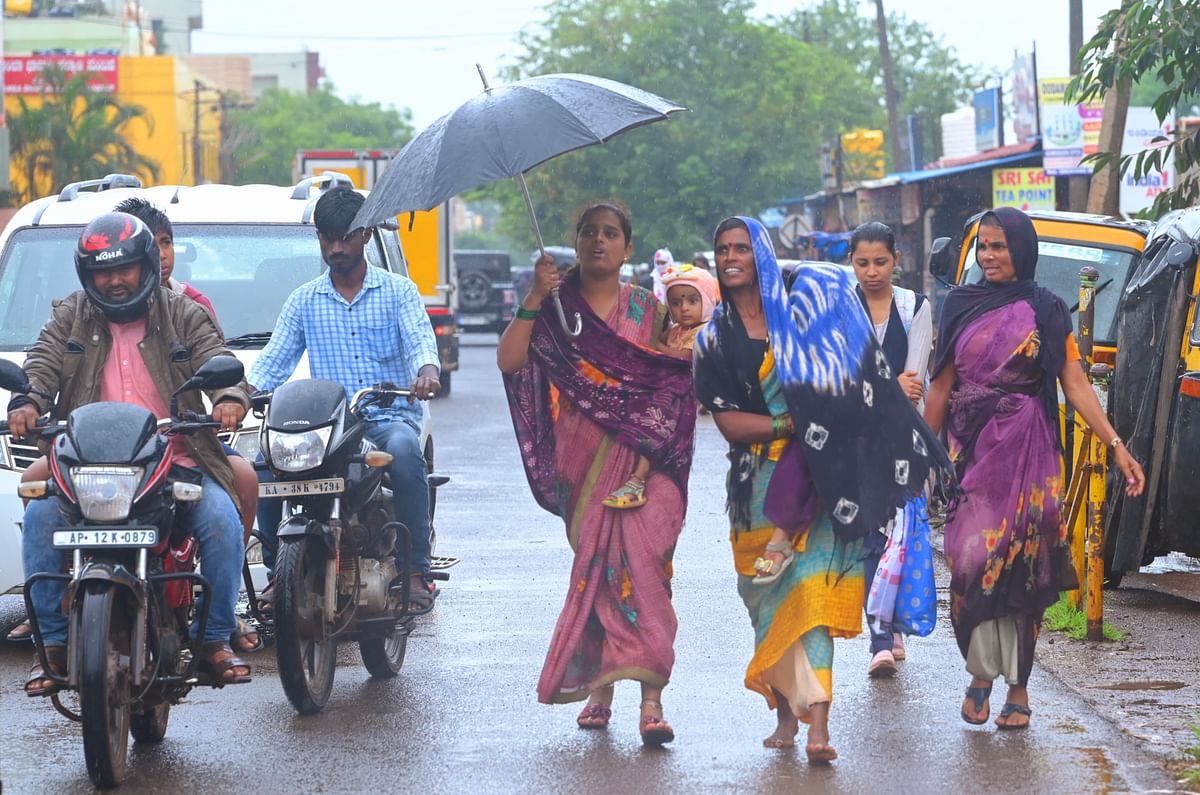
(333, 563)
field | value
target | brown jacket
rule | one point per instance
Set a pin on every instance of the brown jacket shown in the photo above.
(70, 353)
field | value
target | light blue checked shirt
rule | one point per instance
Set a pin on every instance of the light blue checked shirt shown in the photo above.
(382, 335)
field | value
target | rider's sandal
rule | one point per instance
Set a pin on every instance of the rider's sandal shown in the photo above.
(239, 639)
(219, 661)
(767, 570)
(420, 598)
(631, 494)
(56, 656)
(21, 632)
(655, 731)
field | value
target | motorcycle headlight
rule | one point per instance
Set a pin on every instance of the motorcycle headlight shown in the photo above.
(296, 452)
(106, 493)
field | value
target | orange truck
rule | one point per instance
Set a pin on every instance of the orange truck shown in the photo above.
(426, 240)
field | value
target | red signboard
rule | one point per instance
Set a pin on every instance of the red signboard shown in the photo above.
(23, 73)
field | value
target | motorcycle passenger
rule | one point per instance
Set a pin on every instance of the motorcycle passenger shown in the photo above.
(125, 338)
(361, 326)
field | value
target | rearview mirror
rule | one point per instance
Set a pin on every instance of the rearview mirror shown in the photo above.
(219, 372)
(941, 258)
(12, 377)
(1180, 254)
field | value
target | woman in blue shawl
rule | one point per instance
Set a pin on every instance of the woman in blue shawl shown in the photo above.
(824, 447)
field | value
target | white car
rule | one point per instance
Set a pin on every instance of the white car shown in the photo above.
(245, 247)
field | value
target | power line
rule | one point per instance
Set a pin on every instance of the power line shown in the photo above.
(338, 37)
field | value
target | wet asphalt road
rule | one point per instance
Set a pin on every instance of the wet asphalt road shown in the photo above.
(463, 717)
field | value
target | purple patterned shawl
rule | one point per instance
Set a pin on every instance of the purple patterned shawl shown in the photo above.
(643, 398)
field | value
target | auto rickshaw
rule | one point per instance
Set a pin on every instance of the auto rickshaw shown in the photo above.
(1155, 400)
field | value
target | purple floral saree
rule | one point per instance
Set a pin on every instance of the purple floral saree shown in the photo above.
(583, 408)
(1006, 539)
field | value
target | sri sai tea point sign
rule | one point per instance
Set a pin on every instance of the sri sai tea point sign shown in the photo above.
(1023, 188)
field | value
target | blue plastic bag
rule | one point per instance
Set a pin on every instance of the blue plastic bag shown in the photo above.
(916, 600)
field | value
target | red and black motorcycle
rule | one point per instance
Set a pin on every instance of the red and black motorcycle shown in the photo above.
(132, 579)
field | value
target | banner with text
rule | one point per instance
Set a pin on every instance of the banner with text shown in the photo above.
(1024, 188)
(1141, 128)
(1069, 132)
(23, 73)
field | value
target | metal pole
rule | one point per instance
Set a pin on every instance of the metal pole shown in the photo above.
(1101, 375)
(1083, 462)
(196, 134)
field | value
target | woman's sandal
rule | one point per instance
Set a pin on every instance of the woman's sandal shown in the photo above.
(239, 640)
(631, 494)
(219, 662)
(768, 570)
(21, 632)
(1008, 711)
(654, 730)
(594, 716)
(56, 656)
(820, 753)
(979, 696)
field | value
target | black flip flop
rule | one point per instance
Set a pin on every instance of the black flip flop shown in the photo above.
(1011, 709)
(978, 696)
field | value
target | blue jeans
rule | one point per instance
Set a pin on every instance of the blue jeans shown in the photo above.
(213, 522)
(873, 547)
(410, 492)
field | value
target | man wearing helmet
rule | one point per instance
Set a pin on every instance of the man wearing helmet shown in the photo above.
(125, 338)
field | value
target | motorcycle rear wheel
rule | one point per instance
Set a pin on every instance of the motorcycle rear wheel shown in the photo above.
(104, 683)
(384, 657)
(306, 663)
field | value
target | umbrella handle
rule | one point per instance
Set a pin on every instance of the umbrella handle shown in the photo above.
(537, 232)
(562, 316)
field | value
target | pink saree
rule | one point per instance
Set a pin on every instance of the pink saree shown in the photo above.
(612, 397)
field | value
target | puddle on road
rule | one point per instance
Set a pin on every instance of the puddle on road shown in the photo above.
(1097, 759)
(1148, 685)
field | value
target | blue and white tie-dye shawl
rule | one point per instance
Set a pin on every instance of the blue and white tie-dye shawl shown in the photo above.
(866, 447)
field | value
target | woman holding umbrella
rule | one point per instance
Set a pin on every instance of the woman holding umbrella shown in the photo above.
(824, 447)
(584, 407)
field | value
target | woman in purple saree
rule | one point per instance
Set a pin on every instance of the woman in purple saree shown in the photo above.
(584, 408)
(1003, 347)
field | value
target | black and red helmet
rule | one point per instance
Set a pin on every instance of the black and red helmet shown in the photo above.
(114, 240)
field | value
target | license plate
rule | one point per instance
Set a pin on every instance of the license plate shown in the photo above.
(473, 320)
(116, 537)
(302, 488)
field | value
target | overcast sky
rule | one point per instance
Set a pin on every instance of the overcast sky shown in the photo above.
(421, 54)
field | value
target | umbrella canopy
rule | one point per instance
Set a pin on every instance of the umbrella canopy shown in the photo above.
(504, 132)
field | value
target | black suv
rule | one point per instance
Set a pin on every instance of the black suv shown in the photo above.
(486, 296)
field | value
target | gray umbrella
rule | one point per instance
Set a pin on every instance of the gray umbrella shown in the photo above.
(503, 132)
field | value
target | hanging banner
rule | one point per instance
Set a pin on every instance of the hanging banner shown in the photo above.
(23, 73)
(989, 120)
(1141, 128)
(1024, 188)
(1069, 132)
(1025, 97)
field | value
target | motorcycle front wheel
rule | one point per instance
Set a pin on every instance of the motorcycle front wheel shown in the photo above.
(307, 658)
(104, 682)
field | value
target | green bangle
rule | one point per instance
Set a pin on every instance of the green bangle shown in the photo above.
(527, 314)
(779, 427)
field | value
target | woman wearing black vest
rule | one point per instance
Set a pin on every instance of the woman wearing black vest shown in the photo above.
(903, 322)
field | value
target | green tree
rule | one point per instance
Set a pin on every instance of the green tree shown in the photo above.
(761, 102)
(261, 141)
(74, 133)
(930, 78)
(1161, 49)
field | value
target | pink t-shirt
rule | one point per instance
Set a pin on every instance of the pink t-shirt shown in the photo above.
(126, 379)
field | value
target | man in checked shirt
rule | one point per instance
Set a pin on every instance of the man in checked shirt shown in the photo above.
(361, 326)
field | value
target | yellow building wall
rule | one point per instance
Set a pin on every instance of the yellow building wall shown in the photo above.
(164, 87)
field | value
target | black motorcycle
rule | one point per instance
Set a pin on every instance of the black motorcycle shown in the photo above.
(132, 583)
(336, 573)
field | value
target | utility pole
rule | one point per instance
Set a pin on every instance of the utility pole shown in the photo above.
(196, 133)
(1077, 187)
(895, 141)
(1105, 194)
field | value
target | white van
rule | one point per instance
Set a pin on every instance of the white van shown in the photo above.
(245, 247)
